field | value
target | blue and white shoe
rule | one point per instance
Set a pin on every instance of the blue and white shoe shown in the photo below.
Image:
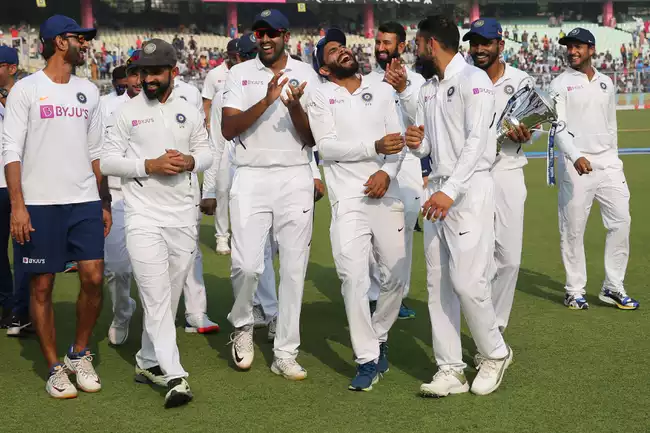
(575, 302)
(70, 267)
(367, 376)
(405, 312)
(382, 364)
(619, 299)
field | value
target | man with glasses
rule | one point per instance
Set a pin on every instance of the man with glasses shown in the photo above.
(157, 142)
(53, 120)
(272, 189)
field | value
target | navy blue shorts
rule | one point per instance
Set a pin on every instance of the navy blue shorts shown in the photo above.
(63, 233)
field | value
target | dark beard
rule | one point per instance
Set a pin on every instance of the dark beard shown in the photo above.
(341, 72)
(426, 68)
(383, 63)
(73, 57)
(268, 61)
(160, 90)
(491, 59)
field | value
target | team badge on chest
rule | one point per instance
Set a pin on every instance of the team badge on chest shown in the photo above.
(82, 98)
(181, 119)
(450, 93)
(293, 82)
(603, 86)
(509, 89)
(367, 98)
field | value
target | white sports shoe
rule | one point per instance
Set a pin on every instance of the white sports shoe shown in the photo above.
(273, 324)
(178, 393)
(445, 382)
(490, 373)
(288, 368)
(223, 248)
(258, 315)
(87, 378)
(118, 333)
(58, 384)
(199, 323)
(243, 351)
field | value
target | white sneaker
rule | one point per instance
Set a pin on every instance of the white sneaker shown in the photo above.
(242, 347)
(87, 378)
(178, 393)
(153, 375)
(490, 373)
(58, 384)
(118, 333)
(199, 323)
(258, 315)
(288, 368)
(445, 382)
(223, 248)
(273, 324)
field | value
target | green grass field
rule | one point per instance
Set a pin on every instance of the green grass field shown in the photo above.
(573, 371)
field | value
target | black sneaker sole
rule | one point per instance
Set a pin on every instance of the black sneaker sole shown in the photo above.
(177, 399)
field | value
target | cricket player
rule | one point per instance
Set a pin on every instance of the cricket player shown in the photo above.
(586, 101)
(356, 123)
(216, 78)
(157, 142)
(486, 46)
(58, 215)
(456, 128)
(390, 43)
(272, 188)
(118, 82)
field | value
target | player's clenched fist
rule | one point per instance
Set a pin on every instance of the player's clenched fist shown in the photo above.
(414, 136)
(390, 144)
(582, 166)
(377, 184)
(437, 206)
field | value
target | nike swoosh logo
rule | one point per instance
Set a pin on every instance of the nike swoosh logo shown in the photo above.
(58, 389)
(43, 99)
(237, 358)
(417, 198)
(463, 233)
(399, 230)
(305, 211)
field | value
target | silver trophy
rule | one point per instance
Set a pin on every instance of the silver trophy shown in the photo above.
(529, 107)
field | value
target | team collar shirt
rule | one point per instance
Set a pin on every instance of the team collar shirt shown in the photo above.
(511, 155)
(54, 130)
(589, 110)
(145, 129)
(458, 117)
(108, 107)
(345, 127)
(189, 93)
(215, 81)
(3, 181)
(272, 141)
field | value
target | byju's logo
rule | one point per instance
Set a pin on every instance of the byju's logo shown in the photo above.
(52, 111)
(141, 122)
(28, 261)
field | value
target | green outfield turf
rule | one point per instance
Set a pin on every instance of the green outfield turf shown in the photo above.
(573, 371)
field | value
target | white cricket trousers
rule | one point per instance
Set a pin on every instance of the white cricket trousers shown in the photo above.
(281, 199)
(161, 258)
(225, 173)
(510, 198)
(266, 296)
(577, 193)
(117, 266)
(411, 192)
(361, 227)
(458, 253)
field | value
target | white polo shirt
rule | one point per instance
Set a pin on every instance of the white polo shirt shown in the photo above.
(589, 109)
(3, 180)
(189, 93)
(459, 125)
(145, 129)
(512, 154)
(345, 127)
(55, 131)
(108, 107)
(272, 141)
(215, 81)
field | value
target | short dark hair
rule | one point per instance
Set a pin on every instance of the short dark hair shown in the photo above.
(442, 29)
(119, 73)
(48, 48)
(394, 28)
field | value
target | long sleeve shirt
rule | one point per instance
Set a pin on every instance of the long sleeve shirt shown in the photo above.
(145, 129)
(54, 130)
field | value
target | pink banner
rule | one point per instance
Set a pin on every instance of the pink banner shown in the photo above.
(244, 1)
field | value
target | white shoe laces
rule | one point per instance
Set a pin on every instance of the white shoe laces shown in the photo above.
(442, 374)
(289, 365)
(60, 379)
(84, 366)
(243, 340)
(487, 366)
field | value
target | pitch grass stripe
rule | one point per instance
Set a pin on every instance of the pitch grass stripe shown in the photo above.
(632, 151)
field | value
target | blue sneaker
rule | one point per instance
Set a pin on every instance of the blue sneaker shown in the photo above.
(405, 312)
(70, 267)
(619, 299)
(576, 302)
(367, 376)
(382, 364)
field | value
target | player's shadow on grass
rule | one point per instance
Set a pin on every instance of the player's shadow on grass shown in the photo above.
(65, 322)
(544, 287)
(206, 234)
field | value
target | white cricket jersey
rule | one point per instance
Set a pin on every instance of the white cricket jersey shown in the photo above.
(222, 148)
(3, 181)
(215, 81)
(589, 110)
(190, 93)
(108, 99)
(55, 131)
(345, 127)
(272, 141)
(145, 129)
(108, 107)
(512, 154)
(459, 125)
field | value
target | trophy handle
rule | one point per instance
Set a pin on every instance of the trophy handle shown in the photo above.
(561, 126)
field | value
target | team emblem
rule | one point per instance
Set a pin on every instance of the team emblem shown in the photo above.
(180, 118)
(574, 32)
(82, 98)
(408, 83)
(509, 89)
(367, 97)
(149, 48)
(252, 37)
(265, 13)
(451, 91)
(603, 86)
(293, 82)
(184, 98)
(479, 23)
